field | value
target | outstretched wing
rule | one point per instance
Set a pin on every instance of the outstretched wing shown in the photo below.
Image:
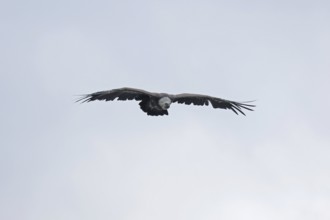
(197, 99)
(122, 94)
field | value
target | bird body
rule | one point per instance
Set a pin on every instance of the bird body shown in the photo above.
(157, 104)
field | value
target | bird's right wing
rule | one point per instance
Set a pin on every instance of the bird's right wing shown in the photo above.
(122, 94)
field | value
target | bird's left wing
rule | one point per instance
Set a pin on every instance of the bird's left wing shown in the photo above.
(198, 99)
(122, 94)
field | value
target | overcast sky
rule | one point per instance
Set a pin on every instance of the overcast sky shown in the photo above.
(66, 161)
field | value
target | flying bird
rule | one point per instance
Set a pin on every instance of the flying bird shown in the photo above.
(157, 104)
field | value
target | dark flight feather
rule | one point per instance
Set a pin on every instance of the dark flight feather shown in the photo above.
(197, 99)
(122, 95)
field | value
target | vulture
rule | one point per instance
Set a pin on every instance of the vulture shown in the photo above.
(157, 104)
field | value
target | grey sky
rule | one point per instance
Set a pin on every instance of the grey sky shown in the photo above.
(62, 160)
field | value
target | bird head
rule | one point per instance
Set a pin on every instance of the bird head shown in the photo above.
(165, 103)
